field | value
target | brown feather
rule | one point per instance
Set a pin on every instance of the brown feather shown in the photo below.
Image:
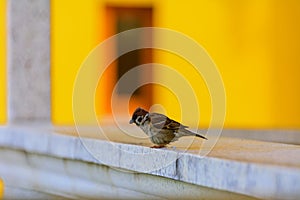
(161, 121)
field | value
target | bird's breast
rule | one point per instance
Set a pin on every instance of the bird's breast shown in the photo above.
(147, 129)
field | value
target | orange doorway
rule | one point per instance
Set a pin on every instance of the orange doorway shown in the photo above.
(120, 19)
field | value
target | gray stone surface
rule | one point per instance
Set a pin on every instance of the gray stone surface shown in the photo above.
(46, 177)
(23, 193)
(280, 136)
(28, 60)
(258, 169)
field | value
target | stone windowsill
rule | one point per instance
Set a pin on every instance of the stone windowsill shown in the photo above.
(255, 168)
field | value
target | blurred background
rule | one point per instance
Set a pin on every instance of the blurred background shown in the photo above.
(254, 43)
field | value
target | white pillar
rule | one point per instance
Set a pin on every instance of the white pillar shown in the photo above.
(28, 61)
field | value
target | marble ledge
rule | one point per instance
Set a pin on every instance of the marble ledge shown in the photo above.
(255, 168)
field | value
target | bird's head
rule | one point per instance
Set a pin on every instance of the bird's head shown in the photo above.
(139, 116)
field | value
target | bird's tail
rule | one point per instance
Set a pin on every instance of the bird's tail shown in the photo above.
(188, 132)
(200, 136)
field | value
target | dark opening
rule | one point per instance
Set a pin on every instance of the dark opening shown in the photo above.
(126, 19)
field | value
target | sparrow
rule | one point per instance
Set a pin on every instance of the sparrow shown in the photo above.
(160, 129)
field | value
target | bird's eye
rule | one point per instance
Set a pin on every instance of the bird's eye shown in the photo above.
(139, 119)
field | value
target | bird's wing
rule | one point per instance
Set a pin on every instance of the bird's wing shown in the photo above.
(161, 121)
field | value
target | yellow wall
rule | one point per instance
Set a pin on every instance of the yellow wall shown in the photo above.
(74, 33)
(2, 62)
(255, 44)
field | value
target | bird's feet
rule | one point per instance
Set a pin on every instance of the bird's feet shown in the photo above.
(158, 146)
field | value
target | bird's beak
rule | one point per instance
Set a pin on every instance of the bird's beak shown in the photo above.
(131, 121)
